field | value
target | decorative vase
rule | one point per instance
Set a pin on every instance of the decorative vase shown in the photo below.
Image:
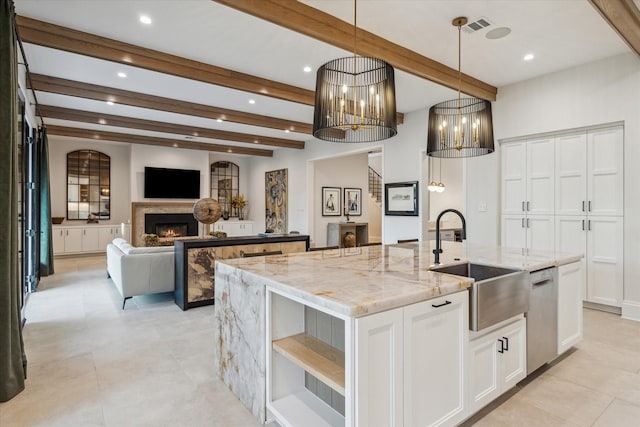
(240, 214)
(349, 240)
(225, 215)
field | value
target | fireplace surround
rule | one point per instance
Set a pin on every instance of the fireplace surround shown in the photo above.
(140, 209)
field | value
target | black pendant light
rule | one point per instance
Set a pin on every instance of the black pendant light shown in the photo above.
(355, 99)
(461, 127)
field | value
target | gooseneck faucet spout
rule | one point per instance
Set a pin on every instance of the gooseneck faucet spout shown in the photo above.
(438, 250)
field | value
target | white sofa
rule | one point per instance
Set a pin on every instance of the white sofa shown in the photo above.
(140, 270)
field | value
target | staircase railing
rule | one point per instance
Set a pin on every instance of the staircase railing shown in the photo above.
(375, 184)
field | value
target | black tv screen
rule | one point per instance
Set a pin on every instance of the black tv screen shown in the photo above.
(163, 183)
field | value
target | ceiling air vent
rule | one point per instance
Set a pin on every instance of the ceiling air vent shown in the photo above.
(476, 25)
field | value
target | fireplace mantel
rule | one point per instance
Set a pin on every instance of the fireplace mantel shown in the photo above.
(139, 209)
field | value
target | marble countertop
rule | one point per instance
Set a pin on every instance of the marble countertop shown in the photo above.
(365, 280)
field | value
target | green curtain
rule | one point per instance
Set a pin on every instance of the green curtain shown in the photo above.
(13, 362)
(46, 239)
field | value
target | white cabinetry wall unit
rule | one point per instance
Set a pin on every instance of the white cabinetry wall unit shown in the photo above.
(86, 239)
(570, 286)
(527, 194)
(497, 361)
(391, 372)
(589, 200)
(234, 228)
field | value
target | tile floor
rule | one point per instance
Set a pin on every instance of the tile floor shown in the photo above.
(93, 364)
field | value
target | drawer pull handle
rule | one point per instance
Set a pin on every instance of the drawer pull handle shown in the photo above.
(501, 346)
(506, 343)
(441, 305)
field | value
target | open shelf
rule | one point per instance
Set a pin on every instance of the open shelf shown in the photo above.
(314, 356)
(305, 409)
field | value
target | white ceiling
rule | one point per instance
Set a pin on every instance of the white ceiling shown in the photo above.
(561, 34)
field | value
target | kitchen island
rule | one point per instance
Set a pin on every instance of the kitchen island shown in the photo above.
(356, 336)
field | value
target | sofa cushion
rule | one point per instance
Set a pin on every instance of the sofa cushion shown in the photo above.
(128, 249)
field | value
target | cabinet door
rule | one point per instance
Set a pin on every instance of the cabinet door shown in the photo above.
(73, 240)
(434, 385)
(571, 236)
(514, 184)
(605, 172)
(58, 235)
(571, 174)
(514, 233)
(514, 355)
(570, 285)
(484, 365)
(245, 228)
(540, 233)
(378, 381)
(540, 176)
(90, 239)
(605, 260)
(105, 236)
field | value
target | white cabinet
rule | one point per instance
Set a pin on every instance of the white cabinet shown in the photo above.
(434, 385)
(234, 228)
(570, 280)
(497, 361)
(86, 239)
(528, 194)
(590, 183)
(407, 365)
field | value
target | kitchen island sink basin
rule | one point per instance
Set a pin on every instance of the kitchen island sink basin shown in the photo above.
(497, 293)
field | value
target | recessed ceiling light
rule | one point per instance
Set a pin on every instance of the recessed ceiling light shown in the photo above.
(102, 121)
(175, 145)
(529, 57)
(122, 75)
(219, 120)
(110, 102)
(286, 130)
(229, 150)
(307, 69)
(145, 19)
(252, 101)
(498, 33)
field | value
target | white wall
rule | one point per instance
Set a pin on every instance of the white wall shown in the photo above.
(600, 92)
(59, 146)
(162, 157)
(344, 172)
(453, 194)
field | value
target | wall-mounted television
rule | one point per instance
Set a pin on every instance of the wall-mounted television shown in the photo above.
(164, 183)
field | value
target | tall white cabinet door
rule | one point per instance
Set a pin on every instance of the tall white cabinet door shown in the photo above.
(605, 260)
(514, 232)
(571, 236)
(570, 284)
(540, 233)
(91, 239)
(571, 174)
(514, 356)
(514, 173)
(434, 385)
(379, 369)
(540, 176)
(605, 172)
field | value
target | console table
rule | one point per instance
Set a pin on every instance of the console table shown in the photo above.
(337, 230)
(195, 261)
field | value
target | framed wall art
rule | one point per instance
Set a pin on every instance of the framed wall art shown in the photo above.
(276, 203)
(331, 201)
(401, 198)
(353, 201)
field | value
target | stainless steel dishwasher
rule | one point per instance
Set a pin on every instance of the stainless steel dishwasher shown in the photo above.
(542, 318)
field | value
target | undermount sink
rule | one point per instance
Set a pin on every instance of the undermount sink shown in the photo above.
(497, 293)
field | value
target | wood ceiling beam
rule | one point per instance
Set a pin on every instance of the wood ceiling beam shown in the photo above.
(624, 17)
(299, 17)
(100, 135)
(132, 123)
(56, 37)
(60, 86)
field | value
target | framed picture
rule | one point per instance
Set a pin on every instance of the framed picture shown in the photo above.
(353, 201)
(331, 201)
(401, 198)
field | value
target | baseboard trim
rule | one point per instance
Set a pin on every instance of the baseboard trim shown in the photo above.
(601, 307)
(631, 310)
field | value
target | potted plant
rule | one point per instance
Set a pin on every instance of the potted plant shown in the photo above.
(238, 202)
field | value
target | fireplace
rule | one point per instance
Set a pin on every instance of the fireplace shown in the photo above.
(171, 224)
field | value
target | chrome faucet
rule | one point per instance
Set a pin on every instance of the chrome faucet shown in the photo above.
(437, 251)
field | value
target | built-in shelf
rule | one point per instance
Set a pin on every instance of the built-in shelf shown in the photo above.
(316, 357)
(305, 409)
